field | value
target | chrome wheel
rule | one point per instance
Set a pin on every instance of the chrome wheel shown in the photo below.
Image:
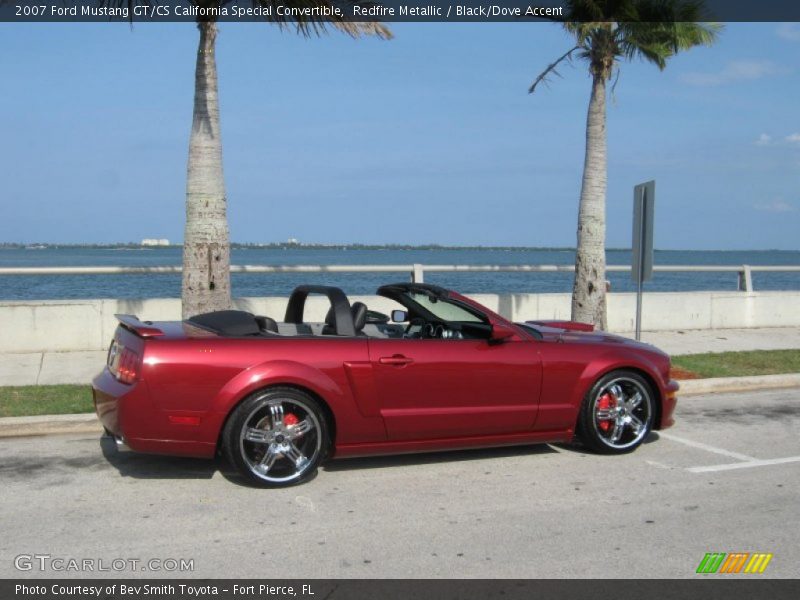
(617, 413)
(280, 440)
(622, 412)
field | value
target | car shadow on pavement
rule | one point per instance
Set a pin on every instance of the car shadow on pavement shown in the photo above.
(426, 458)
(156, 466)
(151, 466)
(653, 437)
(578, 448)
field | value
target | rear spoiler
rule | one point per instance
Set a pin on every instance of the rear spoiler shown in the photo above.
(568, 325)
(142, 329)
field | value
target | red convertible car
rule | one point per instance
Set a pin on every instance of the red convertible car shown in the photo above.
(444, 372)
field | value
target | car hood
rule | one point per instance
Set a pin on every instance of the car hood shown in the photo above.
(570, 335)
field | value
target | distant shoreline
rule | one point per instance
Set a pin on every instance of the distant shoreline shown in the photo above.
(288, 246)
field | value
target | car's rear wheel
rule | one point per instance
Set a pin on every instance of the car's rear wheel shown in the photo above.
(617, 414)
(277, 437)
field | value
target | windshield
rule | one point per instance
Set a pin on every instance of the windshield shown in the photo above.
(442, 309)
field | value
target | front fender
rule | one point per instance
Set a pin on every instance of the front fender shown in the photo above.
(612, 361)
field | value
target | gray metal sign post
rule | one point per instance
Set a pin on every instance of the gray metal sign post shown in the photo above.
(644, 198)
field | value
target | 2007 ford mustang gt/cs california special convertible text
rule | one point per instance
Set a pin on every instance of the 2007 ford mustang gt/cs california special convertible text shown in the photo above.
(441, 373)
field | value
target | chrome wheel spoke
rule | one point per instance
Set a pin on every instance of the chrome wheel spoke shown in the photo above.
(295, 431)
(634, 401)
(636, 424)
(269, 458)
(257, 436)
(616, 391)
(276, 412)
(606, 414)
(293, 453)
(617, 432)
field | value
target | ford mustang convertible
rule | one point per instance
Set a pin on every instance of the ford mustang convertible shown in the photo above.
(440, 372)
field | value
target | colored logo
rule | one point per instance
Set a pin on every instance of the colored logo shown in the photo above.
(735, 562)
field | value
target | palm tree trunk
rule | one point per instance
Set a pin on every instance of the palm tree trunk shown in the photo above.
(206, 247)
(589, 290)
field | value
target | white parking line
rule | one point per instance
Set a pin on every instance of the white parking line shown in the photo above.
(706, 447)
(747, 462)
(745, 465)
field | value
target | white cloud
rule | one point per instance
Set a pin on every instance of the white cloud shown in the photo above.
(776, 206)
(764, 140)
(733, 72)
(789, 31)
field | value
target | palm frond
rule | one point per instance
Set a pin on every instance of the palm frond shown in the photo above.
(697, 34)
(551, 69)
(653, 30)
(680, 24)
(656, 43)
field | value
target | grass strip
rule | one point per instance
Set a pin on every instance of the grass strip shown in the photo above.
(739, 364)
(33, 400)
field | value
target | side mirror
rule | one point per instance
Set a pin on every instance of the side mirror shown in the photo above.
(501, 332)
(399, 316)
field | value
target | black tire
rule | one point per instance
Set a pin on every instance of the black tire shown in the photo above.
(269, 451)
(611, 420)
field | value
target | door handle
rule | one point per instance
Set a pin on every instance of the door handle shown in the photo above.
(398, 360)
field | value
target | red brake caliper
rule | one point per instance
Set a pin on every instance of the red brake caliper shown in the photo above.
(605, 403)
(290, 419)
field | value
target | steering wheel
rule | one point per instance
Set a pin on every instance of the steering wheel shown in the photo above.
(416, 321)
(432, 331)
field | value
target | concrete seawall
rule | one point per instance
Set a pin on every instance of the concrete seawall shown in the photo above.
(87, 325)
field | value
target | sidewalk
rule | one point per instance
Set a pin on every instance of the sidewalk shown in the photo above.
(48, 368)
(699, 341)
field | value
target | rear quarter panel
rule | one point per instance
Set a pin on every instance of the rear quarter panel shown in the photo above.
(209, 377)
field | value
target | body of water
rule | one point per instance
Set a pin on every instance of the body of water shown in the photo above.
(56, 287)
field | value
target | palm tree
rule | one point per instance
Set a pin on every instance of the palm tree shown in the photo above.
(206, 247)
(607, 32)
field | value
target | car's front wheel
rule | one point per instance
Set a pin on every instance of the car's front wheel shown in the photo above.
(277, 437)
(617, 414)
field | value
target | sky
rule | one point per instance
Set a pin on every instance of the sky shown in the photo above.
(428, 138)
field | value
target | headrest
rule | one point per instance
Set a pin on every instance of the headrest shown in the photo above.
(359, 312)
(330, 318)
(267, 324)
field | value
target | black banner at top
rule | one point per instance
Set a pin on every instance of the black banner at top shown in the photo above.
(410, 11)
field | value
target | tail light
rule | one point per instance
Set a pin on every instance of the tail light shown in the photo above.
(123, 362)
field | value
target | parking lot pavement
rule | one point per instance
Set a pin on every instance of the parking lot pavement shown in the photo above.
(724, 479)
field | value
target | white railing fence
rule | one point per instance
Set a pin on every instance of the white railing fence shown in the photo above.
(415, 271)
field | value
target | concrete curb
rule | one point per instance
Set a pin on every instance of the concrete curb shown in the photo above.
(715, 385)
(49, 425)
(88, 423)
